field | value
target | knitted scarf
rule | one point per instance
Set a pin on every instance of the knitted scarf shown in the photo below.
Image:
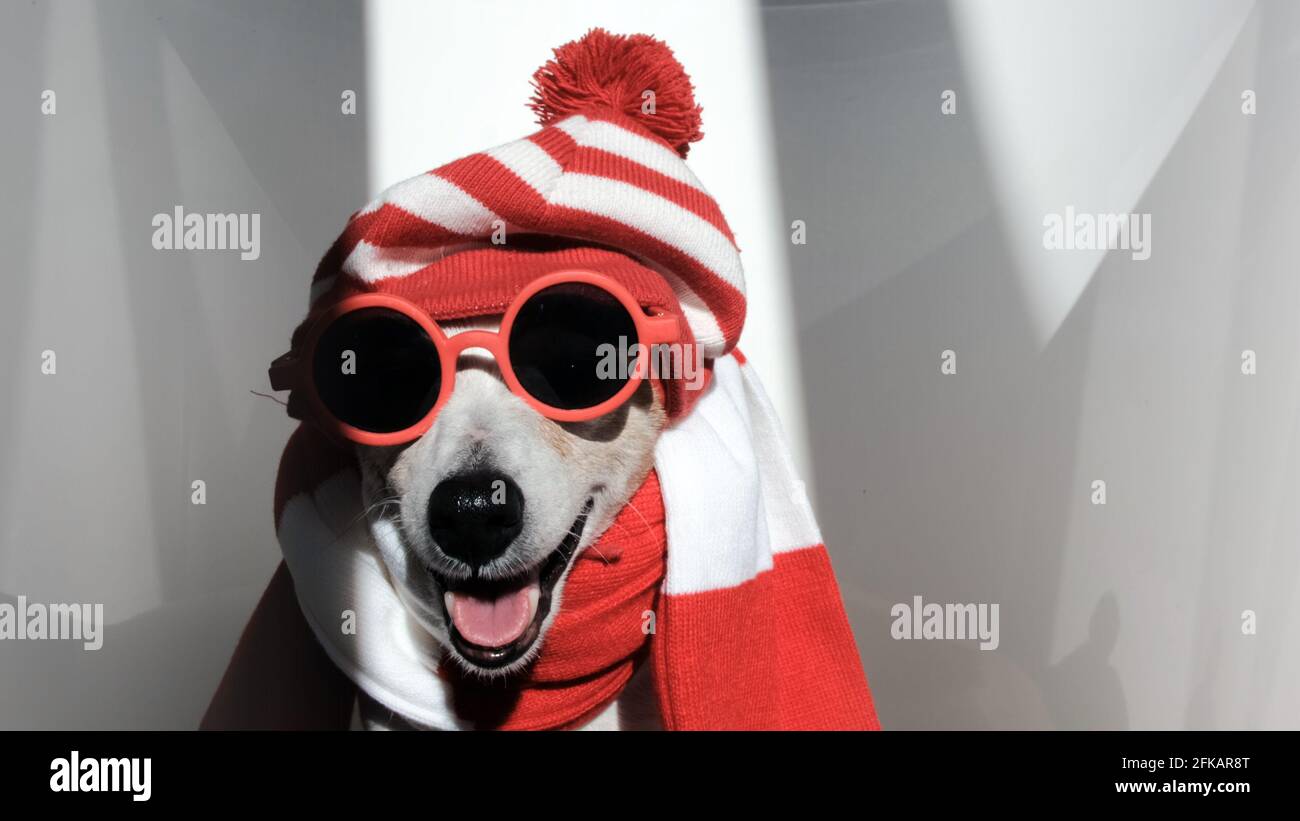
(714, 573)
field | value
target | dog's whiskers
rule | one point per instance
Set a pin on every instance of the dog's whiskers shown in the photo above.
(602, 556)
(392, 500)
(379, 505)
(576, 532)
(624, 527)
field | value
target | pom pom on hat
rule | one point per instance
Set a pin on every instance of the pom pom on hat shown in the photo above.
(604, 70)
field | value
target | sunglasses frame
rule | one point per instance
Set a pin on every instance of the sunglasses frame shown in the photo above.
(292, 371)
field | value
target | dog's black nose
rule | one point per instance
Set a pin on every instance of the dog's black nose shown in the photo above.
(474, 517)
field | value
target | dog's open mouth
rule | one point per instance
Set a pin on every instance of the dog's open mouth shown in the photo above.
(492, 623)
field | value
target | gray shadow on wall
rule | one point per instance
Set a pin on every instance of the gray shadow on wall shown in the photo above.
(1084, 689)
(956, 488)
(22, 68)
(229, 108)
(1249, 559)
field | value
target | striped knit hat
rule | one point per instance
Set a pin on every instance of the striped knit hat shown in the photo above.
(606, 171)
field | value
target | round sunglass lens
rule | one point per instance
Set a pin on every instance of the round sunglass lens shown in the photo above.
(377, 370)
(572, 346)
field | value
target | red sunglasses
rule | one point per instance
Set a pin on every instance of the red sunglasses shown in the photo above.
(375, 369)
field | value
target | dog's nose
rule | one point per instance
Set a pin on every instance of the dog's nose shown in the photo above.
(474, 517)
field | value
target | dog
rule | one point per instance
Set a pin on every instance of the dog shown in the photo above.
(495, 499)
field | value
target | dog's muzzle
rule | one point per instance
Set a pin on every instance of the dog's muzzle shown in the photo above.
(493, 617)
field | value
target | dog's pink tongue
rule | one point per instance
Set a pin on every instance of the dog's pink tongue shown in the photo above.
(494, 622)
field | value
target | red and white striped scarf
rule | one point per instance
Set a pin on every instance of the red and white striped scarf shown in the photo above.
(748, 631)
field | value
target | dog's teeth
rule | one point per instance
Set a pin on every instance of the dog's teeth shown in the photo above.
(534, 596)
(448, 601)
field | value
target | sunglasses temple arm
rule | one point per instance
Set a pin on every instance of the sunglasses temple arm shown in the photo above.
(662, 329)
(284, 372)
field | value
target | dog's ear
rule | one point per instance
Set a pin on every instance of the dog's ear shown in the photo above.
(279, 677)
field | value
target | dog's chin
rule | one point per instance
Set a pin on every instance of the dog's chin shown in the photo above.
(494, 627)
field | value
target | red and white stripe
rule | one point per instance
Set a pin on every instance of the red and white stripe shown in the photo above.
(583, 177)
(749, 583)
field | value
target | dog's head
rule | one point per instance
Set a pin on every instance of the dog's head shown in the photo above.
(493, 503)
